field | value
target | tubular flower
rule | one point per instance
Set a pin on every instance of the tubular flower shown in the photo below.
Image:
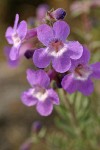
(16, 36)
(57, 49)
(40, 95)
(80, 77)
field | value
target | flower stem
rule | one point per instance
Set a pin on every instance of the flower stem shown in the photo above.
(72, 110)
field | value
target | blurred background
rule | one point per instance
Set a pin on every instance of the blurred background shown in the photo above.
(16, 120)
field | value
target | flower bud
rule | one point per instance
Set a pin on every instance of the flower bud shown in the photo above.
(36, 127)
(59, 14)
(51, 74)
(28, 54)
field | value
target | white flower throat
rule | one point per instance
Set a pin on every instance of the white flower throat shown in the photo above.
(40, 93)
(57, 47)
(82, 72)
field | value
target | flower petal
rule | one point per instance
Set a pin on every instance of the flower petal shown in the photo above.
(45, 34)
(53, 96)
(96, 70)
(28, 99)
(12, 63)
(8, 35)
(22, 29)
(38, 77)
(69, 83)
(45, 108)
(14, 53)
(61, 63)
(86, 87)
(61, 30)
(16, 21)
(75, 49)
(31, 33)
(41, 58)
(84, 59)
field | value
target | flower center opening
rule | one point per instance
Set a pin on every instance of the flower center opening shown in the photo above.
(56, 45)
(16, 39)
(82, 72)
(40, 93)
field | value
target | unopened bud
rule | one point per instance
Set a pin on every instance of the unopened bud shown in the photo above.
(29, 54)
(36, 127)
(59, 14)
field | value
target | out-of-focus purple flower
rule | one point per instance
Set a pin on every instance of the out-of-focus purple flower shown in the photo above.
(57, 49)
(80, 7)
(41, 12)
(12, 63)
(39, 94)
(15, 36)
(58, 14)
(36, 127)
(23, 51)
(79, 79)
(95, 3)
(27, 145)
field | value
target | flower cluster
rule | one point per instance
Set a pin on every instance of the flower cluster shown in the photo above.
(65, 62)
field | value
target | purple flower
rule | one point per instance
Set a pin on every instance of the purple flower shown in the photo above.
(57, 49)
(37, 126)
(58, 14)
(16, 36)
(39, 94)
(81, 74)
(26, 145)
(23, 51)
(54, 15)
(79, 7)
(41, 12)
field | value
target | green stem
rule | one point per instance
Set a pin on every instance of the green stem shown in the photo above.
(72, 110)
